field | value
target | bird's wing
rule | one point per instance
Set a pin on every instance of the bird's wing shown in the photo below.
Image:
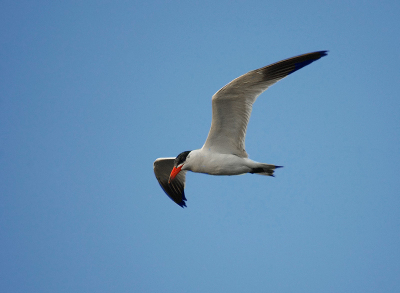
(232, 104)
(175, 189)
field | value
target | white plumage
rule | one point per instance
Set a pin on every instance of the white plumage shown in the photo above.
(224, 152)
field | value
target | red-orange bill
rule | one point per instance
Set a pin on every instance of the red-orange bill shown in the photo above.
(174, 172)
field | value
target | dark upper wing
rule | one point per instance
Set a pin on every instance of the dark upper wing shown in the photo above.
(232, 104)
(175, 189)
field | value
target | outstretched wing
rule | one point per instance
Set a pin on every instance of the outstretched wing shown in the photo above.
(175, 189)
(232, 104)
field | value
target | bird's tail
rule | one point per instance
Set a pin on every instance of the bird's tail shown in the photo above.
(265, 169)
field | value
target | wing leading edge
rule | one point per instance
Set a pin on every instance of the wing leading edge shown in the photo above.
(232, 104)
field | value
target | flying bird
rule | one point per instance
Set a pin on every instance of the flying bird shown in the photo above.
(224, 152)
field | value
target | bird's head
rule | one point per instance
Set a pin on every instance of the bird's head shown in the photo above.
(180, 160)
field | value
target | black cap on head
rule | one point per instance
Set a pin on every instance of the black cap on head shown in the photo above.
(181, 158)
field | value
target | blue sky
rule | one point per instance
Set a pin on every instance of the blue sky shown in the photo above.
(91, 93)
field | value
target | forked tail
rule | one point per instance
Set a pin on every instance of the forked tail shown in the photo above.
(265, 169)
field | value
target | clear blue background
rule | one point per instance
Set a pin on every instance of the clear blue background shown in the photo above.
(92, 92)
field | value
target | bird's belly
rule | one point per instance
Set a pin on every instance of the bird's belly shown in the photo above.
(222, 164)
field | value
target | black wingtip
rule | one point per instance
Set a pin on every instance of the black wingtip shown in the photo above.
(323, 53)
(182, 204)
(312, 57)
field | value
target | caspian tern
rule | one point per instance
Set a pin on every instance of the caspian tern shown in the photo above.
(224, 153)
